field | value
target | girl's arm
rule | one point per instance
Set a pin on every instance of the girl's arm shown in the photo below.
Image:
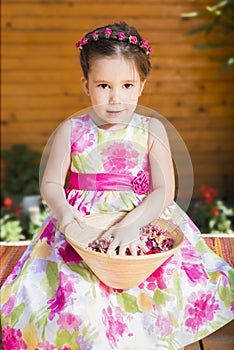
(126, 233)
(52, 187)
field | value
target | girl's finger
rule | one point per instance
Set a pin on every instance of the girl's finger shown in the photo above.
(112, 248)
(133, 249)
(122, 249)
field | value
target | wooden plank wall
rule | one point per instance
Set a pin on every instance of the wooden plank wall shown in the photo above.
(41, 75)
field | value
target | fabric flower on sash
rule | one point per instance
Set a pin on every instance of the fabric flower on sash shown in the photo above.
(140, 183)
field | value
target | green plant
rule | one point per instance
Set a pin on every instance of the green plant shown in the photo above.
(11, 229)
(210, 213)
(17, 226)
(21, 175)
(221, 23)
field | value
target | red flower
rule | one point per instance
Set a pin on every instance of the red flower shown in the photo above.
(17, 211)
(8, 202)
(208, 193)
(215, 211)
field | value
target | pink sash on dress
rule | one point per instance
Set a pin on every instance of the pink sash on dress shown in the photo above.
(110, 182)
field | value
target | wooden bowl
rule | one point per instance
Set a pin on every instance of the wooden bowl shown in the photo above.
(120, 272)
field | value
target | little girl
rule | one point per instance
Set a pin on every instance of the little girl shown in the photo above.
(117, 160)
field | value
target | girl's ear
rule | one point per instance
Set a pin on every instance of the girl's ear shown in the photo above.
(84, 82)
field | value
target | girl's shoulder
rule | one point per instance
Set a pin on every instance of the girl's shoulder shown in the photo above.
(64, 128)
(157, 125)
(157, 131)
(71, 125)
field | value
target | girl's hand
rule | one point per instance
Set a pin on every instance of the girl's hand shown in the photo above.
(68, 216)
(124, 237)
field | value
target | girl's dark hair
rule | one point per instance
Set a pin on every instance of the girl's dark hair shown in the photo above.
(107, 47)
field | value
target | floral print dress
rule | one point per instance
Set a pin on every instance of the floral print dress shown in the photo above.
(52, 300)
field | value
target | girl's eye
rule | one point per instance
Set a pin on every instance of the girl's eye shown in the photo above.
(103, 86)
(128, 86)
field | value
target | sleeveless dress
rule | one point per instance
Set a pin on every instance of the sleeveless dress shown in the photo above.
(51, 300)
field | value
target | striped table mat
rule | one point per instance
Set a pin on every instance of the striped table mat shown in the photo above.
(9, 256)
(222, 246)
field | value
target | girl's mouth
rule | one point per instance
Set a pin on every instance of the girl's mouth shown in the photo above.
(115, 111)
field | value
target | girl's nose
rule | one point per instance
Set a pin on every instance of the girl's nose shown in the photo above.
(114, 97)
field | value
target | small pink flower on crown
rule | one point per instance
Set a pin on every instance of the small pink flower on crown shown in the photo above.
(95, 35)
(145, 44)
(78, 44)
(133, 39)
(121, 36)
(81, 43)
(84, 41)
(108, 32)
(150, 50)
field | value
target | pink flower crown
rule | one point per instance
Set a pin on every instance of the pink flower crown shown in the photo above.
(132, 39)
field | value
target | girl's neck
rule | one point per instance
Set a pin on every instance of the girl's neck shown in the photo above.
(101, 124)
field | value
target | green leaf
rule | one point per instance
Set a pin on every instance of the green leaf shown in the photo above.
(215, 324)
(231, 278)
(205, 27)
(128, 302)
(189, 15)
(89, 332)
(225, 295)
(14, 316)
(42, 321)
(177, 290)
(52, 276)
(209, 46)
(202, 247)
(227, 64)
(221, 23)
(75, 162)
(40, 317)
(201, 334)
(160, 297)
(66, 338)
(17, 312)
(11, 229)
(219, 4)
(173, 319)
(84, 273)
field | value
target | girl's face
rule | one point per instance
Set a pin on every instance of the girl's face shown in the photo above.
(114, 86)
